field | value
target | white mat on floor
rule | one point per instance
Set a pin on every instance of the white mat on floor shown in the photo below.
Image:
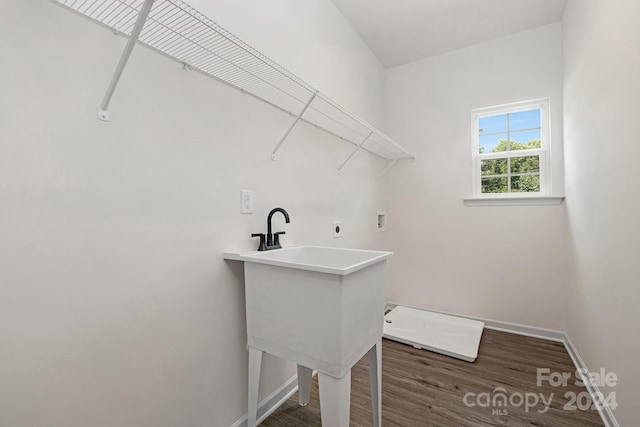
(449, 335)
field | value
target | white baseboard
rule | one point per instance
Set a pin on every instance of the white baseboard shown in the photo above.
(549, 334)
(272, 402)
(605, 412)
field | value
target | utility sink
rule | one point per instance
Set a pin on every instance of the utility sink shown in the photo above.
(322, 308)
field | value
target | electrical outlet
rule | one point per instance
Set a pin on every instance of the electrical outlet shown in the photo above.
(337, 229)
(247, 202)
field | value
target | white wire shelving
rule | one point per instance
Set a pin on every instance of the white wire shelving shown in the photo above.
(179, 31)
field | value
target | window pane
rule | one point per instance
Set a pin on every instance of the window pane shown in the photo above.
(513, 143)
(493, 143)
(524, 119)
(494, 185)
(493, 167)
(525, 139)
(525, 164)
(492, 124)
(525, 184)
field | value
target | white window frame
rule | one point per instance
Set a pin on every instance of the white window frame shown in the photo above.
(543, 151)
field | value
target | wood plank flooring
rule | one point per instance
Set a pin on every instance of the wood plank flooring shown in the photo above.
(421, 388)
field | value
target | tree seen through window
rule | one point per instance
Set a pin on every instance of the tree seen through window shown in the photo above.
(517, 171)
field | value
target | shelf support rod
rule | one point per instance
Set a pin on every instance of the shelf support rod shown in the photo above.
(355, 151)
(295, 122)
(103, 112)
(389, 166)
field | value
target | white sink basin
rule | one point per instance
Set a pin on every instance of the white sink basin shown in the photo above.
(321, 259)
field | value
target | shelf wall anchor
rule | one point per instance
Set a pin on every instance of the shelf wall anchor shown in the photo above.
(103, 112)
(295, 122)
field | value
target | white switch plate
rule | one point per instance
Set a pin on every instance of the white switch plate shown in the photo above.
(247, 202)
(337, 229)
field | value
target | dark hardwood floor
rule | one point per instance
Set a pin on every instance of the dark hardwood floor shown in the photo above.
(421, 388)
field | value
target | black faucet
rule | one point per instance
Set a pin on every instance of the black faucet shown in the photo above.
(273, 239)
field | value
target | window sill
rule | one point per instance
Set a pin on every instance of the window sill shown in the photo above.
(514, 201)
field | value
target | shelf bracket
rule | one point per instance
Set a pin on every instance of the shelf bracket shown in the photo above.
(389, 166)
(295, 122)
(103, 112)
(355, 151)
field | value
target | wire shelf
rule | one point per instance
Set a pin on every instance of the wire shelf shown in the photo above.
(179, 31)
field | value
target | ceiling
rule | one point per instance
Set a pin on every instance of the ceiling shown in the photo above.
(402, 31)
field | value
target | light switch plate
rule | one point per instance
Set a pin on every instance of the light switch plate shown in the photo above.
(247, 202)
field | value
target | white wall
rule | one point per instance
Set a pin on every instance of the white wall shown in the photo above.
(116, 307)
(601, 111)
(504, 263)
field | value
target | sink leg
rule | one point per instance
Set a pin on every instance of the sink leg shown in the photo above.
(375, 379)
(304, 385)
(255, 360)
(335, 399)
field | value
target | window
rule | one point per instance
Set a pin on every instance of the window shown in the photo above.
(511, 150)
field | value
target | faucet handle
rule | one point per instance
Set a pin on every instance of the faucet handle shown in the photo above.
(263, 246)
(276, 237)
